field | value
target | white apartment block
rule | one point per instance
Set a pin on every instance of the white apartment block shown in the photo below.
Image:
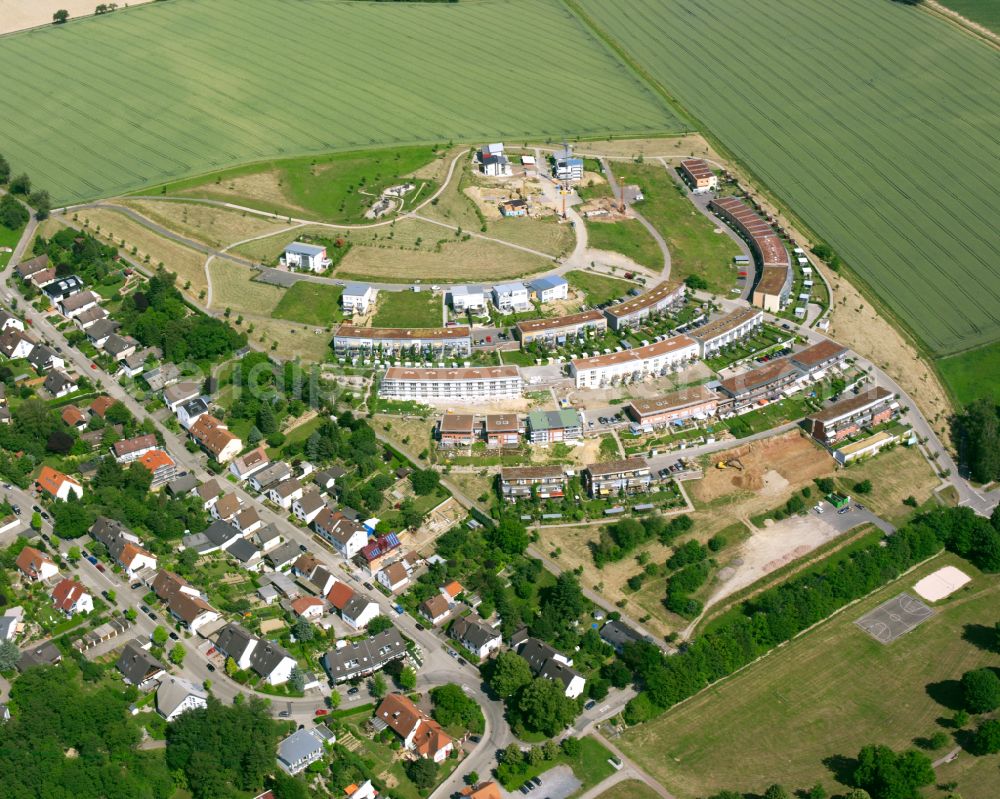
(357, 298)
(447, 385)
(632, 313)
(441, 342)
(467, 298)
(511, 296)
(653, 360)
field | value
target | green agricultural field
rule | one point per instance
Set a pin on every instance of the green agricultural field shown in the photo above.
(310, 303)
(792, 716)
(973, 374)
(985, 12)
(192, 88)
(408, 309)
(695, 247)
(598, 288)
(875, 122)
(629, 238)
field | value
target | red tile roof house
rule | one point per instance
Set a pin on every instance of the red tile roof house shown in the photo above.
(56, 484)
(35, 565)
(436, 609)
(71, 597)
(420, 734)
(308, 607)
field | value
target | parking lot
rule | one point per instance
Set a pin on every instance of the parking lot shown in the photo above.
(556, 783)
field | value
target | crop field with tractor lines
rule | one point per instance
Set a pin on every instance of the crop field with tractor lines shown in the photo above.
(197, 87)
(864, 118)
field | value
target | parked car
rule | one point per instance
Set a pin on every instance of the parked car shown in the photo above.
(420, 626)
(174, 636)
(353, 691)
(100, 567)
(16, 509)
(36, 509)
(369, 586)
(284, 714)
(145, 609)
(589, 704)
(210, 667)
(135, 585)
(322, 712)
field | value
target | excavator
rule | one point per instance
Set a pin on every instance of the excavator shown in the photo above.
(732, 463)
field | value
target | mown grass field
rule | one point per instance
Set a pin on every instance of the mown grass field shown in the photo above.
(866, 120)
(629, 238)
(598, 288)
(973, 374)
(408, 309)
(310, 303)
(985, 12)
(199, 87)
(825, 695)
(695, 247)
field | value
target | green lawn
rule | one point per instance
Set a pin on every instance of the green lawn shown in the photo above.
(408, 309)
(629, 238)
(9, 238)
(630, 789)
(841, 111)
(310, 303)
(973, 374)
(338, 187)
(825, 695)
(695, 247)
(985, 12)
(590, 766)
(233, 81)
(598, 288)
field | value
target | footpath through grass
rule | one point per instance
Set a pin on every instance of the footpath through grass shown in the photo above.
(695, 247)
(310, 303)
(629, 238)
(824, 696)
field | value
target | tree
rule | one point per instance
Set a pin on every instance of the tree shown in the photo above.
(696, 283)
(542, 706)
(776, 792)
(425, 481)
(407, 679)
(571, 746)
(285, 786)
(297, 679)
(472, 778)
(422, 773)
(511, 672)
(379, 624)
(378, 686)
(864, 487)
(980, 691)
(510, 534)
(9, 655)
(858, 793)
(160, 635)
(817, 792)
(60, 16)
(12, 213)
(980, 428)
(177, 654)
(987, 738)
(36, 521)
(41, 202)
(303, 630)
(512, 756)
(453, 707)
(887, 775)
(4, 170)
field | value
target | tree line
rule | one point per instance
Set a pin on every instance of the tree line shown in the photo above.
(20, 186)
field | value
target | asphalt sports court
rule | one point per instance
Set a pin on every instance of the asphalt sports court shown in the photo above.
(894, 618)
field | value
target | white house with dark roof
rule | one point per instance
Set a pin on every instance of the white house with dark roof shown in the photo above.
(552, 665)
(189, 412)
(300, 749)
(476, 637)
(511, 296)
(285, 492)
(308, 506)
(176, 696)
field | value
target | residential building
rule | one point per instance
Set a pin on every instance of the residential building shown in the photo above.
(347, 536)
(491, 383)
(357, 298)
(432, 342)
(358, 611)
(394, 577)
(191, 411)
(272, 663)
(503, 430)
(160, 466)
(183, 601)
(326, 479)
(371, 556)
(631, 476)
(12, 623)
(766, 381)
(552, 665)
(71, 597)
(9, 321)
(477, 638)
(285, 493)
(283, 555)
(272, 474)
(486, 790)
(182, 486)
(352, 660)
(176, 696)
(86, 320)
(133, 558)
(549, 427)
(305, 257)
(45, 653)
(138, 667)
(695, 402)
(226, 507)
(176, 395)
(457, 430)
(421, 734)
(308, 506)
(850, 416)
(523, 482)
(44, 358)
(467, 298)
(548, 288)
(209, 492)
(63, 287)
(74, 417)
(243, 466)
(816, 359)
(364, 791)
(619, 635)
(568, 166)
(656, 301)
(734, 326)
(131, 449)
(15, 344)
(101, 405)
(59, 384)
(774, 281)
(652, 360)
(515, 207)
(308, 607)
(120, 347)
(872, 445)
(26, 269)
(493, 163)
(267, 537)
(57, 485)
(562, 329)
(42, 278)
(236, 642)
(247, 521)
(76, 304)
(435, 609)
(511, 297)
(213, 437)
(339, 595)
(218, 535)
(299, 749)
(134, 365)
(699, 175)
